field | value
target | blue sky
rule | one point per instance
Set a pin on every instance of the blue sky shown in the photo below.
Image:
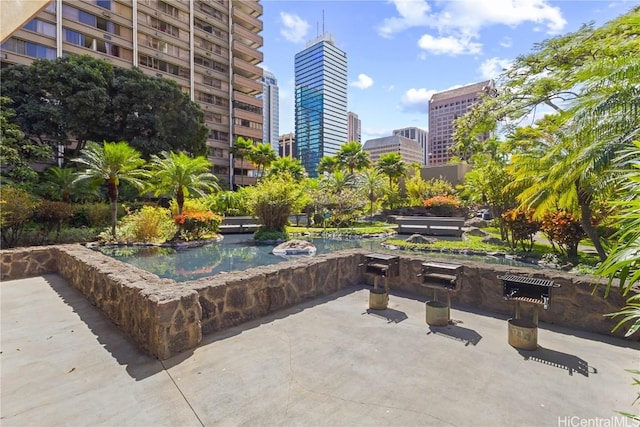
(400, 52)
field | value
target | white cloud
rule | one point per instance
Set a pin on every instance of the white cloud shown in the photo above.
(416, 100)
(363, 82)
(372, 133)
(506, 42)
(389, 88)
(492, 67)
(449, 45)
(413, 13)
(294, 28)
(469, 16)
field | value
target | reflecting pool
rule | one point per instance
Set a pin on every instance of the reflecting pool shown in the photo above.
(237, 252)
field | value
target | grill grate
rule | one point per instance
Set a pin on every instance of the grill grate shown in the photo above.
(526, 280)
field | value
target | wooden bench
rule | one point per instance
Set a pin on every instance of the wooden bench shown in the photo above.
(239, 224)
(432, 226)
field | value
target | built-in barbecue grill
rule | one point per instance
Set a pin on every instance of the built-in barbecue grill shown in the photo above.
(444, 277)
(381, 265)
(528, 290)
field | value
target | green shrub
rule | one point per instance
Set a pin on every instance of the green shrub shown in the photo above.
(263, 234)
(149, 225)
(50, 215)
(273, 199)
(16, 209)
(94, 215)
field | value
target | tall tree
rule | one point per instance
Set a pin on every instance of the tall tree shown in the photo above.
(327, 164)
(353, 157)
(287, 165)
(371, 182)
(392, 165)
(179, 175)
(241, 149)
(262, 155)
(113, 162)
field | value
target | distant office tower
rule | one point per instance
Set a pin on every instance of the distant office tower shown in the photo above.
(321, 101)
(354, 127)
(210, 48)
(270, 110)
(287, 145)
(419, 135)
(444, 108)
(409, 149)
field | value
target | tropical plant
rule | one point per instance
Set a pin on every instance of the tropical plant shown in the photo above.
(241, 150)
(371, 182)
(522, 227)
(353, 157)
(52, 215)
(230, 203)
(392, 165)
(327, 164)
(273, 199)
(563, 231)
(195, 225)
(442, 205)
(16, 208)
(262, 155)
(151, 224)
(113, 162)
(180, 176)
(287, 165)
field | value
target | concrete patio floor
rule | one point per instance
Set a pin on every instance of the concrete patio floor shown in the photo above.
(327, 362)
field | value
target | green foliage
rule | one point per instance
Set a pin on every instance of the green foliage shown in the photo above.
(564, 230)
(352, 157)
(229, 203)
(148, 225)
(392, 165)
(112, 162)
(52, 214)
(521, 227)
(262, 155)
(241, 150)
(96, 215)
(264, 234)
(80, 98)
(180, 176)
(287, 165)
(16, 209)
(273, 199)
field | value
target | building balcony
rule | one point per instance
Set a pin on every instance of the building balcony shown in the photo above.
(243, 18)
(247, 132)
(249, 54)
(247, 69)
(253, 8)
(247, 99)
(248, 115)
(242, 33)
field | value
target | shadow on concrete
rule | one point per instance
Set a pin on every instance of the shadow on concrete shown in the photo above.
(388, 314)
(124, 350)
(458, 333)
(557, 359)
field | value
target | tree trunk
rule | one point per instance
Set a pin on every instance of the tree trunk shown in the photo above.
(113, 198)
(180, 200)
(585, 210)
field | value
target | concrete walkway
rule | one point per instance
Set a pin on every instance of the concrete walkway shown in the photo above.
(327, 362)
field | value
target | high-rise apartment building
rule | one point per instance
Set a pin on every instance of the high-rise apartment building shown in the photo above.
(419, 135)
(320, 101)
(210, 48)
(354, 127)
(287, 145)
(270, 110)
(409, 149)
(444, 108)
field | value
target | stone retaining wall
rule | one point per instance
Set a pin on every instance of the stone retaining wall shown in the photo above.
(166, 318)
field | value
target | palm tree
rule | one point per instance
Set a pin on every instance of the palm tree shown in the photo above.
(328, 164)
(392, 165)
(240, 150)
(371, 181)
(262, 155)
(353, 157)
(113, 162)
(337, 182)
(180, 175)
(285, 165)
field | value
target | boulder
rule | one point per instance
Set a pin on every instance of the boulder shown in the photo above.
(419, 238)
(474, 231)
(294, 247)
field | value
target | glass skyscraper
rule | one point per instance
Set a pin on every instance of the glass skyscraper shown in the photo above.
(320, 101)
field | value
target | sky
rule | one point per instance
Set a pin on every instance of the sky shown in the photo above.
(400, 52)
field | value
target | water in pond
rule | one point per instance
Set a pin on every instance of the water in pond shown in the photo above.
(236, 252)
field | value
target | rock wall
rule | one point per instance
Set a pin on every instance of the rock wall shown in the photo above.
(166, 318)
